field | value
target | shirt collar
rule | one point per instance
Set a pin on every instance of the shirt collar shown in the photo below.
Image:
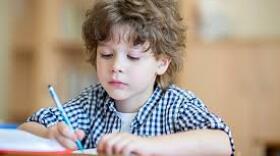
(149, 106)
(145, 110)
(110, 103)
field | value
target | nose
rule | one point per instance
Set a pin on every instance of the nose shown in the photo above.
(117, 66)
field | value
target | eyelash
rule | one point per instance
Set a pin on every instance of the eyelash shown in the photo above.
(133, 58)
(108, 56)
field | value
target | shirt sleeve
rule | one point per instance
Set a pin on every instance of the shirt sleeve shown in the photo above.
(195, 115)
(77, 110)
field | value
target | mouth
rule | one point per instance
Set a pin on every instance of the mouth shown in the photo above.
(117, 84)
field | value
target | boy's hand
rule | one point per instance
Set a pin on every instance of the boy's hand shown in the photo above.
(62, 133)
(125, 144)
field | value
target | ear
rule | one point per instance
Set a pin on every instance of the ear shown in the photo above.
(163, 63)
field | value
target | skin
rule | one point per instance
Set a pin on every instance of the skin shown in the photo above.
(128, 72)
(128, 75)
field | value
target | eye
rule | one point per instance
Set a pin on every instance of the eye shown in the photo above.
(106, 56)
(133, 58)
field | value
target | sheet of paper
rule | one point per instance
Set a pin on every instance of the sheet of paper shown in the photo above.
(91, 151)
(18, 140)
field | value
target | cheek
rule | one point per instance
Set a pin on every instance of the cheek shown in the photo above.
(100, 68)
(101, 63)
(143, 73)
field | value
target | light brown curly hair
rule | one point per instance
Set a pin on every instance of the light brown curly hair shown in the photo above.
(155, 21)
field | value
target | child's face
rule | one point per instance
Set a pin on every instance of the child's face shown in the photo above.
(127, 72)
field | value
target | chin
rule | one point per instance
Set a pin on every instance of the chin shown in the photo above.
(117, 95)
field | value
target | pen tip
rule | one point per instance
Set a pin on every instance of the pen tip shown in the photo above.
(49, 86)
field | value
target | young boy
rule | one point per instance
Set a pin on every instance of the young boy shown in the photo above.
(136, 47)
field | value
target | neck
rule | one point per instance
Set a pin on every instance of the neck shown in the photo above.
(133, 104)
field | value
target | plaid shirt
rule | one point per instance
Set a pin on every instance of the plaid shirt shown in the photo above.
(172, 111)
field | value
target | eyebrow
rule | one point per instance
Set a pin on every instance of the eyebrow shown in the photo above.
(133, 48)
(102, 43)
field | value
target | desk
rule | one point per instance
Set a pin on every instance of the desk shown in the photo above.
(45, 154)
(32, 154)
(40, 154)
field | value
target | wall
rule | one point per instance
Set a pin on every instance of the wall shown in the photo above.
(253, 18)
(240, 81)
(4, 48)
(238, 75)
(242, 19)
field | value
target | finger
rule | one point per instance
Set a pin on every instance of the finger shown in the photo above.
(101, 147)
(113, 142)
(64, 130)
(119, 148)
(129, 149)
(80, 134)
(66, 142)
(123, 141)
(52, 131)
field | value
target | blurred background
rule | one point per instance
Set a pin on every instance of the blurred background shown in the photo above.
(232, 62)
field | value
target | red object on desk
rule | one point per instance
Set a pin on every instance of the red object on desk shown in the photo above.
(13, 152)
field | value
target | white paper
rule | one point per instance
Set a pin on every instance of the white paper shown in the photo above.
(91, 151)
(18, 140)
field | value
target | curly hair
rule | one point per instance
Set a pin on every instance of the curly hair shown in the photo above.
(155, 21)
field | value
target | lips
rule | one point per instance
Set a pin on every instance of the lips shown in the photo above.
(117, 84)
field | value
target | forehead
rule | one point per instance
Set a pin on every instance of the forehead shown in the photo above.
(121, 33)
(124, 34)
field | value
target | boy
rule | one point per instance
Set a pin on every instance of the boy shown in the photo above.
(136, 47)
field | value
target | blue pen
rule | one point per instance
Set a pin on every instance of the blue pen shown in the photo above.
(64, 116)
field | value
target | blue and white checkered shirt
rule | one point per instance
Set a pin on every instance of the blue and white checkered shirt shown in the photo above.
(165, 112)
